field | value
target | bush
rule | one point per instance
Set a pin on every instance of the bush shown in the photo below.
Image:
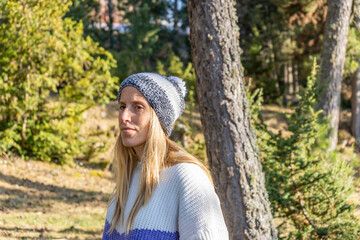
(308, 185)
(49, 76)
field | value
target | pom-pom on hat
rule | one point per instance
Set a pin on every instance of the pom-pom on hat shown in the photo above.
(165, 95)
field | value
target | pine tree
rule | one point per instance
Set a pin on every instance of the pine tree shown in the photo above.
(308, 186)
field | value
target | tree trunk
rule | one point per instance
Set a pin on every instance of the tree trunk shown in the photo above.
(286, 78)
(176, 22)
(110, 24)
(289, 76)
(230, 140)
(176, 17)
(332, 61)
(296, 78)
(355, 86)
(355, 105)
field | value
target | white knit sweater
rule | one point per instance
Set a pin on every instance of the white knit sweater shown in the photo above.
(183, 206)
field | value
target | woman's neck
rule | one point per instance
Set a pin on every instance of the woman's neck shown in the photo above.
(139, 150)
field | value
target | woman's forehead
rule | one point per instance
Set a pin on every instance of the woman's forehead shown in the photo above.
(130, 93)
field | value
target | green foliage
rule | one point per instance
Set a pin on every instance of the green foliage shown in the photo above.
(308, 186)
(198, 149)
(352, 51)
(275, 33)
(141, 41)
(84, 11)
(49, 76)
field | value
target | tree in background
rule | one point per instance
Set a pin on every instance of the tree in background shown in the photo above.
(87, 12)
(355, 96)
(308, 186)
(260, 29)
(333, 60)
(230, 140)
(50, 74)
(140, 44)
(279, 39)
(181, 45)
(138, 33)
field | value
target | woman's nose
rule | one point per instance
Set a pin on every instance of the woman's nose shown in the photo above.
(125, 116)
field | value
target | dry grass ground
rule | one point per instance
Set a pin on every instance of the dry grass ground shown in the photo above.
(45, 201)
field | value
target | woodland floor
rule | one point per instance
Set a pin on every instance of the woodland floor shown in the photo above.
(41, 200)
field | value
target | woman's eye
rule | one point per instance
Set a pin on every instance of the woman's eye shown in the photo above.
(122, 107)
(139, 107)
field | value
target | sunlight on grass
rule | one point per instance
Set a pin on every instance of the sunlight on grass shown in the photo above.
(38, 202)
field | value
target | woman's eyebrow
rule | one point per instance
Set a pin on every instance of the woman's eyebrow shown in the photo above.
(135, 102)
(139, 102)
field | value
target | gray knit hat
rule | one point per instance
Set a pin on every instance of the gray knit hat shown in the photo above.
(165, 95)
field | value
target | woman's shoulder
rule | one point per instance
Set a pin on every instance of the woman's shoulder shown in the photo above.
(186, 170)
(189, 175)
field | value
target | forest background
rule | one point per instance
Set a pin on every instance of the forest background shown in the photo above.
(61, 63)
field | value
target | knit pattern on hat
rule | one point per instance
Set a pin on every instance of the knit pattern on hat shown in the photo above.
(164, 94)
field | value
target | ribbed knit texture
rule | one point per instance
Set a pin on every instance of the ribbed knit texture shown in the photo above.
(166, 95)
(184, 206)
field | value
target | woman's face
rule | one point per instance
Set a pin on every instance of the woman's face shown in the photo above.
(134, 117)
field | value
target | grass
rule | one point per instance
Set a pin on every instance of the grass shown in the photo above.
(44, 201)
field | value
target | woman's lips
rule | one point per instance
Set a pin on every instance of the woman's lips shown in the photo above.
(127, 130)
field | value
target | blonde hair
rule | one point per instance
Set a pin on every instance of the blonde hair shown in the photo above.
(159, 152)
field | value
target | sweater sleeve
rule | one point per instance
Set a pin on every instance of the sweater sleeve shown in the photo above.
(200, 215)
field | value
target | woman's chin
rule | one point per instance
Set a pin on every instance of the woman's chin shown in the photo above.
(128, 144)
(132, 143)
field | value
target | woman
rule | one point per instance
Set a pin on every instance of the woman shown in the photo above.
(162, 192)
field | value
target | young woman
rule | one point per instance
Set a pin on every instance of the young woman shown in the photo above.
(162, 192)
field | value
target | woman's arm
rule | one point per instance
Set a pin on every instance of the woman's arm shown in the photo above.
(200, 215)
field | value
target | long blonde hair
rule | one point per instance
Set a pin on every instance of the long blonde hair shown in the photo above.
(159, 152)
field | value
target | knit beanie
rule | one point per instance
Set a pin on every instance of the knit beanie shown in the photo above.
(165, 95)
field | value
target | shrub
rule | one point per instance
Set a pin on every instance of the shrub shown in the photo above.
(49, 76)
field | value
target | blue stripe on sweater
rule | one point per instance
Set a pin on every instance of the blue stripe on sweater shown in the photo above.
(139, 234)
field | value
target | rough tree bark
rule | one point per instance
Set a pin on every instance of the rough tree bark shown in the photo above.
(332, 61)
(355, 96)
(230, 140)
